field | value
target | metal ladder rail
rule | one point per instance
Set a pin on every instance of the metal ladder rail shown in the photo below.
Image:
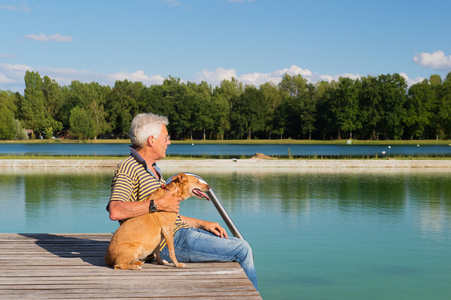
(219, 207)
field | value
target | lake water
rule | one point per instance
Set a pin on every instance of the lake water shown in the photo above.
(315, 235)
(229, 150)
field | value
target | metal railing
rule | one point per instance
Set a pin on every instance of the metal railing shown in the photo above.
(219, 207)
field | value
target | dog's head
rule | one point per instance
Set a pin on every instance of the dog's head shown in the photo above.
(191, 186)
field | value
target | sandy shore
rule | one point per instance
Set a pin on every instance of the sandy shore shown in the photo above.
(249, 165)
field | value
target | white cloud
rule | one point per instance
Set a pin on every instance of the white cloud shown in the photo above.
(293, 71)
(66, 76)
(411, 81)
(258, 78)
(12, 76)
(51, 38)
(136, 76)
(5, 79)
(327, 78)
(22, 7)
(215, 77)
(12, 73)
(436, 60)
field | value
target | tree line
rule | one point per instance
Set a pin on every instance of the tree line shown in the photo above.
(368, 108)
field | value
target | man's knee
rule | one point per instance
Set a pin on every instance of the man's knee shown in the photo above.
(244, 248)
(246, 245)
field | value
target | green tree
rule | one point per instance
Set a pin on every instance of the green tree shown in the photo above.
(435, 80)
(122, 104)
(371, 111)
(248, 115)
(345, 106)
(7, 126)
(173, 92)
(8, 100)
(272, 96)
(81, 123)
(187, 108)
(99, 116)
(53, 97)
(21, 133)
(203, 107)
(441, 110)
(288, 116)
(154, 99)
(393, 95)
(324, 123)
(294, 91)
(228, 91)
(308, 103)
(419, 108)
(82, 95)
(53, 102)
(221, 117)
(293, 85)
(32, 108)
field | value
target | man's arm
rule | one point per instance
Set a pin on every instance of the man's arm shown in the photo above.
(212, 227)
(120, 210)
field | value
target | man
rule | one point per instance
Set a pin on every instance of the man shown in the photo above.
(137, 176)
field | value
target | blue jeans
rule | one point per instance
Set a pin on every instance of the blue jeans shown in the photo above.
(197, 245)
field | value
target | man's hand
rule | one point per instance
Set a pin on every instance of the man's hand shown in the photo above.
(214, 228)
(168, 202)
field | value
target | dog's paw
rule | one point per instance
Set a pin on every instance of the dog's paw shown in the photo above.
(162, 262)
(133, 266)
(180, 265)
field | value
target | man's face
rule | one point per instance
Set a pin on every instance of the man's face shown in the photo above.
(162, 142)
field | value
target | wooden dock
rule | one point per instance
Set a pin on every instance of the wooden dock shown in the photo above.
(71, 266)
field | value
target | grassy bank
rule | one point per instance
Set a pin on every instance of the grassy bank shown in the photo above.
(307, 157)
(248, 142)
(238, 142)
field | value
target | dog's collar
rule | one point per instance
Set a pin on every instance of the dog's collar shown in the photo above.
(164, 187)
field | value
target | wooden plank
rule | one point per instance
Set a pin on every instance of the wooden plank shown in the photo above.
(70, 266)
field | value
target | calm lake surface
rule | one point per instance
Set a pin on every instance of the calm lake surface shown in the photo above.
(221, 149)
(315, 235)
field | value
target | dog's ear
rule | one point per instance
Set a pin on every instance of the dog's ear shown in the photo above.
(183, 177)
(179, 177)
(176, 178)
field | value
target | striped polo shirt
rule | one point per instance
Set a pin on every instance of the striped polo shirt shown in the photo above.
(133, 181)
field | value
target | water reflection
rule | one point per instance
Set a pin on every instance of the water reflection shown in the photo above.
(317, 229)
(38, 194)
(388, 193)
(236, 150)
(49, 201)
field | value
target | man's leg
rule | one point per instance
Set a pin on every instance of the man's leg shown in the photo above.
(196, 245)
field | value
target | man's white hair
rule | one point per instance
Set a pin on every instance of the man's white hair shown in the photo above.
(145, 125)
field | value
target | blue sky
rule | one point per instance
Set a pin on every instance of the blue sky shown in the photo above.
(255, 41)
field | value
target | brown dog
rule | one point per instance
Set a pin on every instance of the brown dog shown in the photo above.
(139, 237)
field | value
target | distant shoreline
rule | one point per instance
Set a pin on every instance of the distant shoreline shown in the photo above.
(240, 142)
(239, 164)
